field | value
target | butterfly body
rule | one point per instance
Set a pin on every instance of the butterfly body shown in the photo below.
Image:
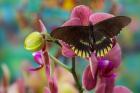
(98, 38)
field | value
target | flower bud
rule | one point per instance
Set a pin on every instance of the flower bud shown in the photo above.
(34, 42)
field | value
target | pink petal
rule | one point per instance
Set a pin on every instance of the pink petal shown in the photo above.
(38, 60)
(105, 68)
(105, 85)
(121, 89)
(93, 64)
(82, 12)
(53, 85)
(88, 81)
(47, 69)
(107, 80)
(72, 22)
(36, 68)
(110, 82)
(37, 57)
(103, 64)
(47, 90)
(43, 28)
(21, 85)
(100, 87)
(66, 51)
(45, 57)
(98, 17)
(115, 55)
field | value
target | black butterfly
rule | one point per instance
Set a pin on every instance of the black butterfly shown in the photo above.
(96, 38)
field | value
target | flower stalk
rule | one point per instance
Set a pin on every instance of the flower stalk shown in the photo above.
(72, 70)
(59, 63)
(75, 76)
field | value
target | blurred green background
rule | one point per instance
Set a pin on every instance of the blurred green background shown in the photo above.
(17, 19)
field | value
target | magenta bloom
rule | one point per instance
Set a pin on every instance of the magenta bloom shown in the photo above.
(42, 59)
(102, 71)
(38, 60)
(99, 73)
(81, 15)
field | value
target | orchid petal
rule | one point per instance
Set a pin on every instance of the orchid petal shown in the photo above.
(53, 85)
(43, 28)
(48, 74)
(46, 90)
(67, 51)
(72, 22)
(82, 12)
(88, 81)
(110, 83)
(98, 17)
(36, 68)
(37, 57)
(45, 57)
(105, 68)
(121, 89)
(114, 55)
(100, 87)
(93, 64)
(105, 85)
(38, 60)
(21, 86)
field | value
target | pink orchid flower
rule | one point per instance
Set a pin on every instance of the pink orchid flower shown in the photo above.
(103, 68)
(42, 59)
(82, 15)
(99, 67)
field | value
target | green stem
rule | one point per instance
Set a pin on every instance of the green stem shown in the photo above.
(59, 62)
(72, 70)
(75, 76)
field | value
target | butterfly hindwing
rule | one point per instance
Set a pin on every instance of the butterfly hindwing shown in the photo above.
(81, 53)
(102, 44)
(82, 49)
(101, 49)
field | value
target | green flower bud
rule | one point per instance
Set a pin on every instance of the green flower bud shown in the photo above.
(34, 42)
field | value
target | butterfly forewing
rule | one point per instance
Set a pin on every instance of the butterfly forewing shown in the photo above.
(76, 36)
(71, 34)
(86, 39)
(112, 26)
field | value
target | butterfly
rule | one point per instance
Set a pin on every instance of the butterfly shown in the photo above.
(98, 38)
